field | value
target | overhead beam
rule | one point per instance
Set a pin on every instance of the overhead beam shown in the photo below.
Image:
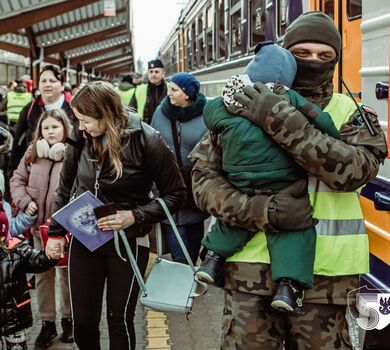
(126, 58)
(33, 43)
(126, 65)
(75, 23)
(52, 61)
(88, 56)
(20, 50)
(116, 71)
(106, 60)
(28, 18)
(84, 40)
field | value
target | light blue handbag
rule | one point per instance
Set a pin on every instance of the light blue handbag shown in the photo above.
(170, 286)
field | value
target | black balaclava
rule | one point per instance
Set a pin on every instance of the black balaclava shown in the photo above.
(314, 78)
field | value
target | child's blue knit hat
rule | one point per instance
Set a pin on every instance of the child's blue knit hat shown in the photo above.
(271, 63)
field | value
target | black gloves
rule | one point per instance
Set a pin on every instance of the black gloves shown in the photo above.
(290, 209)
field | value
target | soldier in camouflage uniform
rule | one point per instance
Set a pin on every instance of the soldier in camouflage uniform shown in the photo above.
(342, 165)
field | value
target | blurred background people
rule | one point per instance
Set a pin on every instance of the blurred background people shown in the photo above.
(125, 90)
(51, 97)
(149, 95)
(14, 102)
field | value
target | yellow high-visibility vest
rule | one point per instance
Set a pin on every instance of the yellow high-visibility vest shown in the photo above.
(15, 103)
(342, 242)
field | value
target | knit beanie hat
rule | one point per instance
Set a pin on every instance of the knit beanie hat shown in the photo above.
(313, 27)
(188, 83)
(272, 63)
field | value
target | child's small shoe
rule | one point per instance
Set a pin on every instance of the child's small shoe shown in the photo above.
(288, 297)
(211, 270)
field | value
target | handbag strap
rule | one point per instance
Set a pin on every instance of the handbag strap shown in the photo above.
(176, 143)
(178, 237)
(137, 273)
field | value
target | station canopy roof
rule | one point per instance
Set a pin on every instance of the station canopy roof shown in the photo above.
(70, 33)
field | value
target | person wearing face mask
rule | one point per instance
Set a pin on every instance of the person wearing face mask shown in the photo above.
(179, 119)
(336, 168)
(148, 96)
(52, 96)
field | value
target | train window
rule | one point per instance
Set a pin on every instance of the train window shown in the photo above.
(257, 22)
(354, 9)
(209, 34)
(235, 27)
(188, 56)
(220, 35)
(11, 72)
(327, 6)
(200, 42)
(3, 73)
(194, 60)
(282, 16)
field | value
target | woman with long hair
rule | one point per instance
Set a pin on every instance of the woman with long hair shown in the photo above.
(116, 157)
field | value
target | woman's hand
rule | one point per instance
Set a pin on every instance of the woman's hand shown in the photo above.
(31, 208)
(119, 221)
(55, 248)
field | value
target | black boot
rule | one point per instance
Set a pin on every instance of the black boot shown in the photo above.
(211, 270)
(46, 335)
(67, 328)
(288, 297)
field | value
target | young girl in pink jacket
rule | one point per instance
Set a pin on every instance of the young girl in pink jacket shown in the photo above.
(33, 187)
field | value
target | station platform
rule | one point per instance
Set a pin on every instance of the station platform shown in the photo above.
(157, 330)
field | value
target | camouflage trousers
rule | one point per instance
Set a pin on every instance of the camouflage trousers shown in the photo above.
(249, 323)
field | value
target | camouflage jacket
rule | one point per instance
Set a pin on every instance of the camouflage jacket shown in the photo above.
(344, 164)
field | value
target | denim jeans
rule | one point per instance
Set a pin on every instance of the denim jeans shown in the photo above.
(192, 235)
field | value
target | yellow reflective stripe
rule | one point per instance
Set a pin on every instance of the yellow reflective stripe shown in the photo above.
(255, 251)
(340, 227)
(336, 205)
(341, 255)
(140, 95)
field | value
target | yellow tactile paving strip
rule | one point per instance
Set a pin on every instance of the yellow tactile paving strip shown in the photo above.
(157, 334)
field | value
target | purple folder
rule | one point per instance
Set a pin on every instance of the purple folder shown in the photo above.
(79, 219)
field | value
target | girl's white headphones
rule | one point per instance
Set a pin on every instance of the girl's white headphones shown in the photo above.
(55, 152)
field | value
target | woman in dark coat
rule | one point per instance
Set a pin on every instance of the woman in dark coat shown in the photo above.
(116, 157)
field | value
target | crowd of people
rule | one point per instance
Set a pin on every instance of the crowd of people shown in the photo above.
(261, 159)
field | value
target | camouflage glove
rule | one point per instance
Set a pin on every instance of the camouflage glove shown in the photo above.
(290, 209)
(257, 102)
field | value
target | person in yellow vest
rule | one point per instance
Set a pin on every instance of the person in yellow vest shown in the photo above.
(125, 90)
(336, 168)
(148, 96)
(15, 101)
